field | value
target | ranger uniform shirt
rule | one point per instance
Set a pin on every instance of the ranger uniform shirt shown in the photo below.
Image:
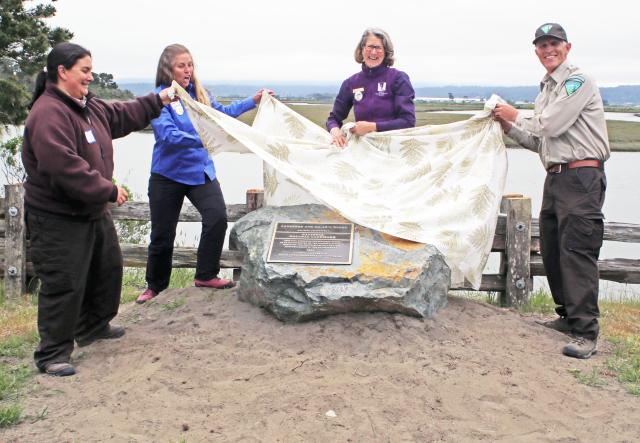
(568, 123)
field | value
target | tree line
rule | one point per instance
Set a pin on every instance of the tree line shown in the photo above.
(25, 41)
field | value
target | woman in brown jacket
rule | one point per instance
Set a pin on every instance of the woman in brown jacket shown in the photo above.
(68, 156)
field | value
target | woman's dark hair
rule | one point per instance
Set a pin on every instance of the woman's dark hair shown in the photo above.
(65, 54)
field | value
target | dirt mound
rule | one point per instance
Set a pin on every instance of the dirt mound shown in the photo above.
(199, 365)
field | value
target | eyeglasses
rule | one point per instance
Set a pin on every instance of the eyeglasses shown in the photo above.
(372, 48)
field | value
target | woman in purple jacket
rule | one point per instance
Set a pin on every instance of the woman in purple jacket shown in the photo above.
(381, 96)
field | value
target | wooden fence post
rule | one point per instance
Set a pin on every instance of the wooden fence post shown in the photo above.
(15, 251)
(502, 268)
(255, 200)
(518, 282)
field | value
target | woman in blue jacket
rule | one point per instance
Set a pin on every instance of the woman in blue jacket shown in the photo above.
(181, 167)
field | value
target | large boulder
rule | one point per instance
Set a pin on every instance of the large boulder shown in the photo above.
(387, 273)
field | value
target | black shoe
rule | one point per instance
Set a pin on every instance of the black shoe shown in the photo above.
(580, 347)
(59, 369)
(108, 333)
(560, 324)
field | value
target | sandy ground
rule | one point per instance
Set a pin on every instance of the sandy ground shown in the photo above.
(217, 369)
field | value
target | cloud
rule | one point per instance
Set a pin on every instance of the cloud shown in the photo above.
(452, 42)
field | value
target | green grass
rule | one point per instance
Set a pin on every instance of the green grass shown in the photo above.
(174, 304)
(619, 325)
(18, 338)
(13, 378)
(10, 415)
(133, 281)
(492, 298)
(19, 346)
(625, 363)
(539, 301)
(592, 378)
(623, 136)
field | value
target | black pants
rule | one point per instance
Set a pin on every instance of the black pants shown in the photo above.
(165, 200)
(79, 264)
(571, 231)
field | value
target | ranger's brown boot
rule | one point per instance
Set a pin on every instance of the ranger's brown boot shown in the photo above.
(580, 347)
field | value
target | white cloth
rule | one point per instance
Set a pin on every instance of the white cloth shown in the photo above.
(437, 184)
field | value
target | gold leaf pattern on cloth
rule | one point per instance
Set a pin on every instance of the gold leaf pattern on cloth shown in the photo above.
(475, 125)
(443, 144)
(417, 173)
(294, 199)
(436, 129)
(375, 184)
(209, 141)
(464, 166)
(480, 237)
(451, 239)
(279, 151)
(295, 126)
(482, 200)
(305, 176)
(345, 192)
(494, 139)
(270, 181)
(346, 171)
(412, 150)
(440, 174)
(423, 184)
(376, 220)
(443, 196)
(382, 143)
(410, 228)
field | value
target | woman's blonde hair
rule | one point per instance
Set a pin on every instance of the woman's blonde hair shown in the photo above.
(164, 74)
(389, 58)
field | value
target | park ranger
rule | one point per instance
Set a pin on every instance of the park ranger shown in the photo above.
(568, 131)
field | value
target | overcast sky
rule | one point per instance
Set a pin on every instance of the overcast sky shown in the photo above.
(448, 42)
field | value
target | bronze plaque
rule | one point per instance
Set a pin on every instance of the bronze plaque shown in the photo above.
(323, 243)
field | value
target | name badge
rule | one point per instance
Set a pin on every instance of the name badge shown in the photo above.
(177, 107)
(357, 94)
(90, 137)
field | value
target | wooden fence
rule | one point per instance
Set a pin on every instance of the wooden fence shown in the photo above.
(517, 239)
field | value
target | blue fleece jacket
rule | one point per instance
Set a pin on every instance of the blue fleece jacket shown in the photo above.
(178, 153)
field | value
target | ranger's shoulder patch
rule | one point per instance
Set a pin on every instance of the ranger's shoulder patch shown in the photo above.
(573, 83)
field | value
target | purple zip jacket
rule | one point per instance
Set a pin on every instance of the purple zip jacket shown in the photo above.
(382, 94)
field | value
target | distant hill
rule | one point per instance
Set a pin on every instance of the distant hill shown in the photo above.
(618, 95)
(226, 90)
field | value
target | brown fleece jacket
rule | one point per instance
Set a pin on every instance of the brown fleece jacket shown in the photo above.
(68, 153)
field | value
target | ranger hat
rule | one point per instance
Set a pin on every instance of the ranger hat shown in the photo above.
(550, 30)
